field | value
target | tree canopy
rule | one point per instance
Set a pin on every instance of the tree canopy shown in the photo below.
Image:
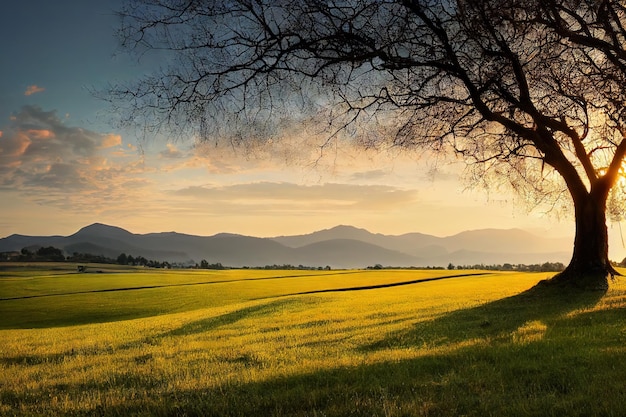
(529, 91)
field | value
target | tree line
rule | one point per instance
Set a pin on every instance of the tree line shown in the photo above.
(544, 267)
(52, 254)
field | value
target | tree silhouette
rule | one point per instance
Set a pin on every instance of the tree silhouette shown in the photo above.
(528, 92)
(122, 259)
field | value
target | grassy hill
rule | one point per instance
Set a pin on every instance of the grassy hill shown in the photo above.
(291, 343)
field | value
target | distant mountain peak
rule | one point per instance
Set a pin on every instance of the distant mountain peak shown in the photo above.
(102, 229)
(227, 234)
(345, 227)
(97, 225)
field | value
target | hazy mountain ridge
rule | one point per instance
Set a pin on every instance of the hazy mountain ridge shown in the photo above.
(338, 247)
(348, 253)
(490, 240)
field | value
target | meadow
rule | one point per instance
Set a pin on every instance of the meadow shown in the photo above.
(307, 343)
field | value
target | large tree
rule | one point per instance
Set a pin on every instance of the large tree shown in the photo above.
(531, 91)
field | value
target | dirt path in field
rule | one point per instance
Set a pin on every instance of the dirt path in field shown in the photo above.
(184, 284)
(388, 285)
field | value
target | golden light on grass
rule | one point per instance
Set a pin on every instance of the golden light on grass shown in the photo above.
(530, 332)
(242, 334)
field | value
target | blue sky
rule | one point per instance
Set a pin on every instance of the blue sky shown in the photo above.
(64, 163)
(60, 47)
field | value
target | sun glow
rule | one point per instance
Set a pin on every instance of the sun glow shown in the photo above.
(616, 204)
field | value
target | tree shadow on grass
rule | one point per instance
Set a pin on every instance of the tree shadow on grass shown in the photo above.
(212, 323)
(571, 371)
(494, 321)
(563, 373)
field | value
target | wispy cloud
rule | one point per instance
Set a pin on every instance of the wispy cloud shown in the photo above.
(369, 175)
(283, 196)
(33, 89)
(171, 152)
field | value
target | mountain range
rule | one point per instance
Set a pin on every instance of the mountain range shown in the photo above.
(338, 247)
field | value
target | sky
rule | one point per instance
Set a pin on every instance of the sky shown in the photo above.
(65, 163)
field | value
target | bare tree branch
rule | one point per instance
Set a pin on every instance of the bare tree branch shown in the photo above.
(526, 88)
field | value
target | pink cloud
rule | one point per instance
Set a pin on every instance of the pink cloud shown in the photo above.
(171, 152)
(32, 89)
(111, 140)
(21, 143)
(12, 148)
(40, 133)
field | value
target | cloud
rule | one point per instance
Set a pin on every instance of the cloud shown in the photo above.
(33, 89)
(40, 133)
(12, 147)
(49, 139)
(56, 165)
(59, 176)
(284, 197)
(369, 175)
(110, 140)
(59, 164)
(171, 152)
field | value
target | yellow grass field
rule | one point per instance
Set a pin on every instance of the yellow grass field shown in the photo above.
(248, 342)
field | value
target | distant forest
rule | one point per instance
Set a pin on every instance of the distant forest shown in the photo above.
(52, 254)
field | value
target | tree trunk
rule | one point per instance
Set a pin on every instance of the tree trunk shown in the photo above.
(590, 267)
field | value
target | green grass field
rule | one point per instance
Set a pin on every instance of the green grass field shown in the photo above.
(307, 343)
